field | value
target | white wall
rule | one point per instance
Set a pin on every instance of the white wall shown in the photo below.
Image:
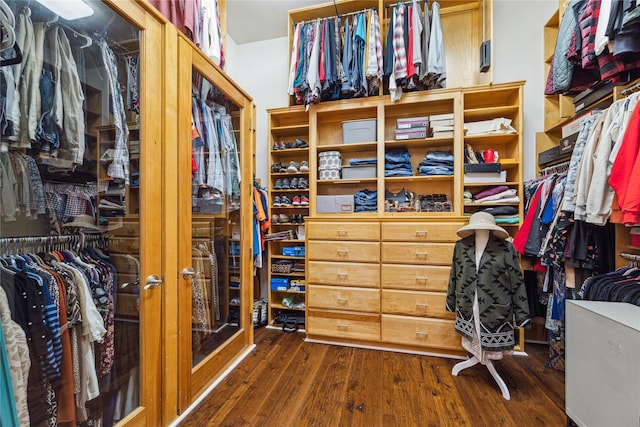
(262, 68)
(518, 55)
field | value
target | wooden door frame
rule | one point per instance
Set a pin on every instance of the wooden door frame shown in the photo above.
(151, 196)
(193, 381)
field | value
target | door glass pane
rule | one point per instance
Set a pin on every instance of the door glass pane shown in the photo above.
(69, 217)
(215, 195)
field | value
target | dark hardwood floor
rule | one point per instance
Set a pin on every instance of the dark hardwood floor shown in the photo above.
(288, 382)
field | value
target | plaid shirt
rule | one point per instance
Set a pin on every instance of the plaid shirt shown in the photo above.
(399, 48)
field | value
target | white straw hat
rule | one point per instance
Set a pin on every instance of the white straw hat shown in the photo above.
(482, 221)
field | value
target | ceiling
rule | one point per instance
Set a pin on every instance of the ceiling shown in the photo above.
(250, 21)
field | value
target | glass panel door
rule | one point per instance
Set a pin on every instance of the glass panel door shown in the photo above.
(77, 276)
(213, 204)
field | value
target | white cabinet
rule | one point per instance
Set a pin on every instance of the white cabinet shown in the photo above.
(603, 363)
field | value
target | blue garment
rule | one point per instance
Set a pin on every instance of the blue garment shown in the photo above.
(347, 86)
(8, 411)
(366, 201)
(397, 155)
(435, 170)
(439, 155)
(398, 172)
(368, 161)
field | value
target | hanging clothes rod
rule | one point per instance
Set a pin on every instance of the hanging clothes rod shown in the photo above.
(631, 89)
(559, 168)
(335, 16)
(630, 257)
(16, 245)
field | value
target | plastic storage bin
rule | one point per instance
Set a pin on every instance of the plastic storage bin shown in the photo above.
(354, 131)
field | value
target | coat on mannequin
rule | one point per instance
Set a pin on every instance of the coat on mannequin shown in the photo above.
(487, 293)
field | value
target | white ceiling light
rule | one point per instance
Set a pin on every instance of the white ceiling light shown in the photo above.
(68, 9)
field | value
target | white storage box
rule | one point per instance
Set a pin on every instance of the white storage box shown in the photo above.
(329, 174)
(485, 177)
(329, 160)
(354, 172)
(335, 204)
(354, 131)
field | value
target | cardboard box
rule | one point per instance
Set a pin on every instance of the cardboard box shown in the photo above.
(335, 204)
(355, 172)
(575, 125)
(476, 178)
(412, 122)
(411, 133)
(354, 131)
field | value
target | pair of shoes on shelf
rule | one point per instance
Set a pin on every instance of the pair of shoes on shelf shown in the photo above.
(293, 167)
(297, 218)
(300, 200)
(282, 184)
(300, 143)
(278, 168)
(282, 201)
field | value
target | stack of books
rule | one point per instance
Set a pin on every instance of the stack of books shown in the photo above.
(441, 125)
(412, 128)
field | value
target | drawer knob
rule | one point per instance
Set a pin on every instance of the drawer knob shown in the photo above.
(422, 334)
(422, 305)
(341, 232)
(421, 279)
(421, 254)
(342, 252)
(421, 233)
(342, 275)
(342, 300)
(343, 325)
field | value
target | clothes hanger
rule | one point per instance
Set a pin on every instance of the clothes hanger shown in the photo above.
(6, 30)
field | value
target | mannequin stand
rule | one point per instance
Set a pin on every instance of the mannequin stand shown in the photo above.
(482, 237)
(492, 369)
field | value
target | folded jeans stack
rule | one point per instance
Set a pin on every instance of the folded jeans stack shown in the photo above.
(436, 163)
(397, 162)
(366, 201)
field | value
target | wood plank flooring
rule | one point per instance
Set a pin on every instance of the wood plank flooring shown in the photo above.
(288, 382)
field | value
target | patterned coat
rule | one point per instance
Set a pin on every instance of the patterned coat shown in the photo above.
(501, 292)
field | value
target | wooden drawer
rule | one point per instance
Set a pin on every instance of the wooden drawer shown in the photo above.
(343, 325)
(344, 274)
(412, 303)
(342, 298)
(421, 231)
(437, 333)
(343, 251)
(417, 277)
(124, 228)
(418, 253)
(343, 230)
(201, 229)
(124, 245)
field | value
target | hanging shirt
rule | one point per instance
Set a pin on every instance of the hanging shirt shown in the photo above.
(437, 66)
(293, 65)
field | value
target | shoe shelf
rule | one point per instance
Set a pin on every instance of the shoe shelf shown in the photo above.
(288, 199)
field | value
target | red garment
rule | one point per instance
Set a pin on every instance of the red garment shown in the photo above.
(520, 241)
(625, 172)
(172, 10)
(411, 69)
